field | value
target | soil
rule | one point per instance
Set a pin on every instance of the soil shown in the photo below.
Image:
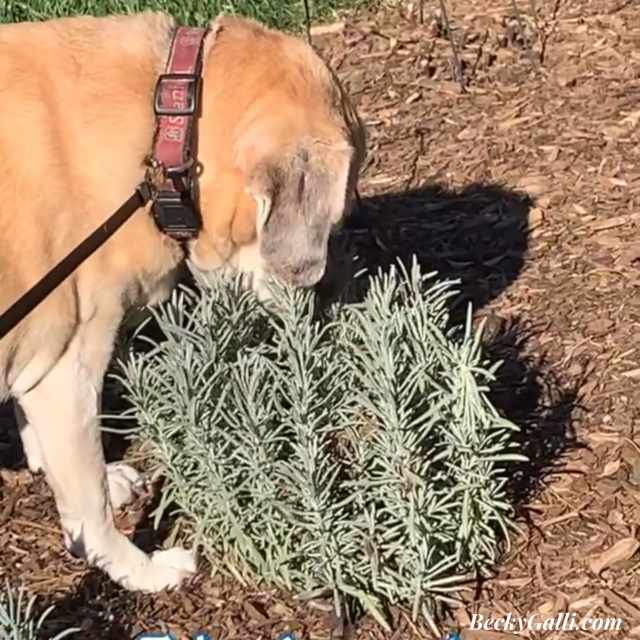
(517, 170)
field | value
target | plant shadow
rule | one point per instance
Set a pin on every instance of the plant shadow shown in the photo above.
(90, 610)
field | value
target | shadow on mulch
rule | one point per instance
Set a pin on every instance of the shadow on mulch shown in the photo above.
(478, 235)
(90, 609)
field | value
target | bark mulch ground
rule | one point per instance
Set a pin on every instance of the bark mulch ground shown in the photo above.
(526, 186)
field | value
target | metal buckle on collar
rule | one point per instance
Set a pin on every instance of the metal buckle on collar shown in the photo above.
(175, 209)
(176, 213)
(193, 84)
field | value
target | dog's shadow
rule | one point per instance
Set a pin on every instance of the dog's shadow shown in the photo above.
(478, 235)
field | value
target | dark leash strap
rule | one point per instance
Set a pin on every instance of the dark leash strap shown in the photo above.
(169, 181)
(32, 298)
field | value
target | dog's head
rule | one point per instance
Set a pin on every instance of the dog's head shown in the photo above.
(280, 147)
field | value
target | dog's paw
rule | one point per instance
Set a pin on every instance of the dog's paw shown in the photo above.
(134, 570)
(173, 566)
(125, 484)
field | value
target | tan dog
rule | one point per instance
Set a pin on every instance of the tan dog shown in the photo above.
(280, 148)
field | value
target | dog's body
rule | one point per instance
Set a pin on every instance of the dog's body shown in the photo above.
(279, 148)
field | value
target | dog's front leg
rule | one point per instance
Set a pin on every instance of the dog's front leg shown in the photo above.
(61, 412)
(30, 443)
(124, 482)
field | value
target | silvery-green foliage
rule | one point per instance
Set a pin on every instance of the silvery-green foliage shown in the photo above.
(355, 454)
(18, 620)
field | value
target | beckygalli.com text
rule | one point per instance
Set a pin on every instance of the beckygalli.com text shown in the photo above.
(538, 622)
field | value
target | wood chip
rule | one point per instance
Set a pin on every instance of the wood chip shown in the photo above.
(253, 611)
(326, 29)
(534, 185)
(586, 603)
(515, 582)
(621, 551)
(611, 468)
(617, 182)
(618, 601)
(616, 221)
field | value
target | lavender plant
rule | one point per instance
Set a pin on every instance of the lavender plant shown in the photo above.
(354, 454)
(18, 620)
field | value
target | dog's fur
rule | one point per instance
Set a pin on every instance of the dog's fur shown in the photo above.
(279, 148)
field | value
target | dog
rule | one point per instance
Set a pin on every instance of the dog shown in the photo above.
(279, 150)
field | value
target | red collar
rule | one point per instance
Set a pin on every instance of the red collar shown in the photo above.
(172, 165)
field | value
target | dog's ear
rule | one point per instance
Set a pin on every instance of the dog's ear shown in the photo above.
(304, 194)
(357, 132)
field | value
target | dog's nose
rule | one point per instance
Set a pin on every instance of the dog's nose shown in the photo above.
(306, 273)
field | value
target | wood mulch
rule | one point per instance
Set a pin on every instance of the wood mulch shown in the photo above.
(526, 186)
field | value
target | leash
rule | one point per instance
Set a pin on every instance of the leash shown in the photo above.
(34, 296)
(170, 176)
